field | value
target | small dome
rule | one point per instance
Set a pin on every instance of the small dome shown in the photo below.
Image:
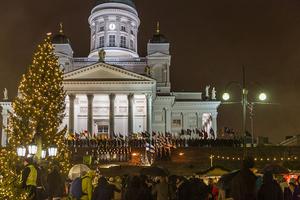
(60, 38)
(158, 37)
(127, 2)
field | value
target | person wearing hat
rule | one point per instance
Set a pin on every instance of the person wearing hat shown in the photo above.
(29, 178)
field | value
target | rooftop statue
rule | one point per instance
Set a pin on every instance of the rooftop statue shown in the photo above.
(5, 94)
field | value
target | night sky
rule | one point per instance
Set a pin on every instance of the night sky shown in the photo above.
(210, 42)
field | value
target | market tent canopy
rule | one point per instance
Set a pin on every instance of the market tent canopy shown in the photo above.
(214, 171)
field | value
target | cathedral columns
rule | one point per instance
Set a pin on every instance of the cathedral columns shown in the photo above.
(167, 120)
(71, 112)
(130, 113)
(214, 122)
(112, 98)
(90, 123)
(149, 114)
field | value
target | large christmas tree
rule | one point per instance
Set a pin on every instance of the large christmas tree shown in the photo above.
(38, 111)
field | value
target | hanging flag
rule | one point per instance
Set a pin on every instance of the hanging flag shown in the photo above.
(150, 148)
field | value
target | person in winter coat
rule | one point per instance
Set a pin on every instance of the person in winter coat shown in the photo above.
(270, 189)
(198, 190)
(136, 190)
(243, 185)
(182, 192)
(55, 184)
(161, 189)
(29, 178)
(103, 191)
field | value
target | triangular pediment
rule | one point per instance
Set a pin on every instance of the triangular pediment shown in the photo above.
(158, 54)
(104, 72)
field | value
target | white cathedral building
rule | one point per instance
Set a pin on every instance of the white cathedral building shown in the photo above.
(122, 92)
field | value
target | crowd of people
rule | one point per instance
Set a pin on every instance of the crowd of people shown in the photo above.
(140, 143)
(241, 184)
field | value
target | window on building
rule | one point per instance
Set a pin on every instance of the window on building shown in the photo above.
(112, 40)
(131, 45)
(176, 123)
(101, 28)
(101, 41)
(123, 28)
(123, 42)
(102, 129)
(131, 31)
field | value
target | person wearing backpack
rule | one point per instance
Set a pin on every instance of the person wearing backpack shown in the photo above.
(76, 189)
(81, 187)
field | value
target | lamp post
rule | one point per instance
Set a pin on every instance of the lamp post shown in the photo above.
(226, 96)
(211, 157)
(32, 149)
(21, 151)
(52, 151)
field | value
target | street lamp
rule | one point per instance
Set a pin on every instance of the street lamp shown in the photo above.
(21, 151)
(52, 151)
(262, 96)
(226, 96)
(44, 153)
(32, 149)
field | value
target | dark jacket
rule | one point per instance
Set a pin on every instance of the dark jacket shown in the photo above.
(198, 190)
(243, 185)
(296, 193)
(104, 191)
(183, 192)
(270, 189)
(25, 174)
(55, 184)
(137, 190)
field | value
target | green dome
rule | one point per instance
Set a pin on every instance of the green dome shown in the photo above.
(127, 2)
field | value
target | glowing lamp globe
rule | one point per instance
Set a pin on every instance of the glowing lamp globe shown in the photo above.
(32, 149)
(44, 152)
(21, 151)
(262, 96)
(226, 96)
(52, 151)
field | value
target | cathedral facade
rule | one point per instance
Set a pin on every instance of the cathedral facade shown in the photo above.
(115, 91)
